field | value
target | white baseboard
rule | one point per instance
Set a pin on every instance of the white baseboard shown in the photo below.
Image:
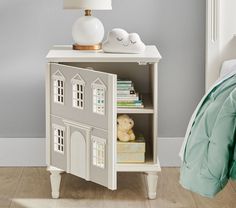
(22, 152)
(31, 152)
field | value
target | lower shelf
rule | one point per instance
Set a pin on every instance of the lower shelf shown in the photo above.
(148, 166)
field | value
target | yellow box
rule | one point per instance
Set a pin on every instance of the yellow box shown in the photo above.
(131, 152)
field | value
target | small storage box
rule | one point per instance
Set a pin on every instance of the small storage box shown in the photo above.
(131, 152)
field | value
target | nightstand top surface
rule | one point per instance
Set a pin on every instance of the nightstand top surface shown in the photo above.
(65, 53)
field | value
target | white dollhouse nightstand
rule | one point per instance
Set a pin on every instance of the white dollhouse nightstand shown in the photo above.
(81, 113)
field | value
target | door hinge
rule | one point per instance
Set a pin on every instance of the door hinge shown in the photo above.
(142, 63)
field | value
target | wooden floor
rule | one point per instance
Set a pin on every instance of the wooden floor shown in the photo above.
(30, 188)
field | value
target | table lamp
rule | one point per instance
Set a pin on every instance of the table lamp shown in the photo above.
(88, 31)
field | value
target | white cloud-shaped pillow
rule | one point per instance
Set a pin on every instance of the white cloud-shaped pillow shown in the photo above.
(119, 41)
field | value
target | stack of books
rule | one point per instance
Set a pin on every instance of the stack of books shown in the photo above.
(127, 97)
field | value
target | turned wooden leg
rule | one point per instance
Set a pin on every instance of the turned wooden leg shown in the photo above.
(151, 179)
(55, 178)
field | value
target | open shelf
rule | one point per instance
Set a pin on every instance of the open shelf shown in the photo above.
(148, 107)
(148, 166)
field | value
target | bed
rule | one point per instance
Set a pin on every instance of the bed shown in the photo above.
(220, 37)
(209, 150)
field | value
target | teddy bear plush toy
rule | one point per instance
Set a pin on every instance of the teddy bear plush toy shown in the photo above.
(124, 128)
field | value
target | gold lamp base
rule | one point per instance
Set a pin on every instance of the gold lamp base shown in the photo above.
(87, 47)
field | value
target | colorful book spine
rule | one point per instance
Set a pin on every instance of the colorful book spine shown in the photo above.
(125, 88)
(122, 99)
(124, 82)
(125, 85)
(131, 106)
(127, 95)
(125, 92)
(130, 102)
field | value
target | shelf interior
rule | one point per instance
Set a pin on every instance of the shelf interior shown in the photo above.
(142, 125)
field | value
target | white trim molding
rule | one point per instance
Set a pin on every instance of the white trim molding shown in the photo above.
(31, 151)
(212, 42)
(214, 7)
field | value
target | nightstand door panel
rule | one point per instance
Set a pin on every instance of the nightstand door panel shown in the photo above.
(85, 101)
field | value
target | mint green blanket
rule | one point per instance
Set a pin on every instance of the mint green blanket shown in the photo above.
(209, 158)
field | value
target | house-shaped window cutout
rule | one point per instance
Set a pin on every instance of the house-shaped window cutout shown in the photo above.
(58, 87)
(99, 95)
(59, 138)
(78, 92)
(99, 149)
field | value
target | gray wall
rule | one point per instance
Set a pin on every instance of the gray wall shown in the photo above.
(28, 28)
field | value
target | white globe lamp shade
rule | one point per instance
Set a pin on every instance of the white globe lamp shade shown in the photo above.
(88, 30)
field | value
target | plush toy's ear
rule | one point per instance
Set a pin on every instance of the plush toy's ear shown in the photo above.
(120, 119)
(131, 122)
